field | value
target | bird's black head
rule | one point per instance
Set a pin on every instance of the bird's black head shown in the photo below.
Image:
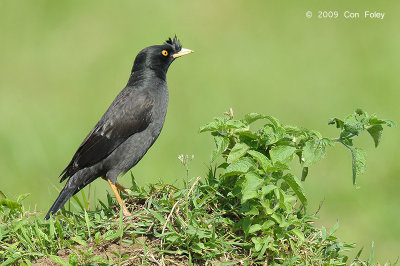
(156, 59)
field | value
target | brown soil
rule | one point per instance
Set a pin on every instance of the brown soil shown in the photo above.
(135, 253)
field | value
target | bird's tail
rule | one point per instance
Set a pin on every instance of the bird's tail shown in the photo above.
(64, 196)
(74, 184)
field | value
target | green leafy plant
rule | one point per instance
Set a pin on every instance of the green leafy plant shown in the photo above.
(352, 126)
(274, 145)
(266, 198)
(249, 208)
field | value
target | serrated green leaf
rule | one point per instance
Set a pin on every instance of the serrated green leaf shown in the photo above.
(282, 154)
(249, 209)
(241, 166)
(390, 123)
(258, 243)
(252, 181)
(278, 166)
(267, 189)
(335, 121)
(272, 134)
(313, 151)
(293, 130)
(282, 199)
(237, 152)
(315, 133)
(252, 117)
(212, 126)
(234, 124)
(262, 160)
(254, 228)
(376, 133)
(245, 132)
(267, 224)
(298, 233)
(277, 218)
(359, 159)
(345, 139)
(352, 125)
(221, 144)
(373, 120)
(274, 121)
(297, 187)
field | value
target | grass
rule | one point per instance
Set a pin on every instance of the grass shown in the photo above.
(169, 226)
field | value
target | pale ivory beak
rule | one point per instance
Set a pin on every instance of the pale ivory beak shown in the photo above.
(182, 52)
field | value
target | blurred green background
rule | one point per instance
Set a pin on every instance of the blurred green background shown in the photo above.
(63, 62)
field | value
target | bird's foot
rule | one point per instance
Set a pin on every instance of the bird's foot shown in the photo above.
(125, 210)
(125, 213)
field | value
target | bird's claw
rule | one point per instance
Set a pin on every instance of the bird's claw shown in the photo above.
(125, 212)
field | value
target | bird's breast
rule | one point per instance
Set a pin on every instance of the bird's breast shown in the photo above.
(159, 111)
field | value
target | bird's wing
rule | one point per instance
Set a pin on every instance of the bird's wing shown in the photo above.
(130, 113)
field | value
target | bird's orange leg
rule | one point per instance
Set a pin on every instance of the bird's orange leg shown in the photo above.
(121, 203)
(119, 186)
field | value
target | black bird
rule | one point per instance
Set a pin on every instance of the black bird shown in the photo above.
(127, 129)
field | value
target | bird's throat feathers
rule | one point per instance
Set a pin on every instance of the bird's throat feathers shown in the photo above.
(145, 67)
(139, 76)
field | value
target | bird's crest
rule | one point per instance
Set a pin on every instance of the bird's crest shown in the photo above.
(175, 43)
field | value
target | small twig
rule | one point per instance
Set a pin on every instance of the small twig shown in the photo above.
(194, 184)
(230, 113)
(169, 217)
(165, 225)
(177, 215)
(151, 227)
(154, 259)
(347, 137)
(312, 238)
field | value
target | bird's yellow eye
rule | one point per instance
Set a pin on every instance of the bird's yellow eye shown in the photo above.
(164, 52)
